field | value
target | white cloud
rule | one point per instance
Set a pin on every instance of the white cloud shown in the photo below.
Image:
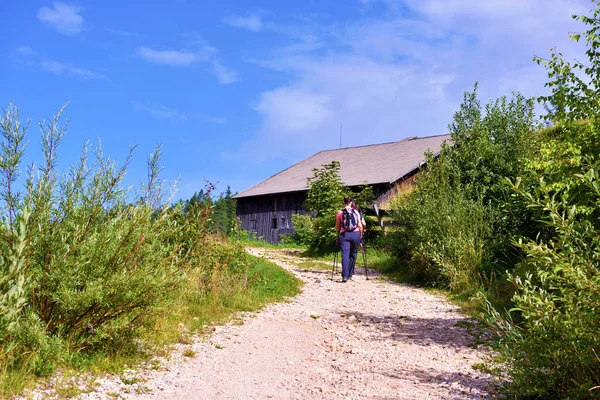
(251, 22)
(176, 58)
(294, 110)
(69, 69)
(186, 58)
(211, 119)
(26, 51)
(27, 56)
(163, 112)
(404, 73)
(224, 74)
(63, 17)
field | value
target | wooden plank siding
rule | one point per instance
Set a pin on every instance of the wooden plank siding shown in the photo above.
(404, 185)
(270, 216)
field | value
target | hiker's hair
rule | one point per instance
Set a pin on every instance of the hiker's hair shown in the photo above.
(347, 199)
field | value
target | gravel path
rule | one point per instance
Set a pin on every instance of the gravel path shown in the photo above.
(370, 339)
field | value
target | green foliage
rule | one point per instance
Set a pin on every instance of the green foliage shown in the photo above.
(326, 190)
(487, 147)
(574, 84)
(223, 214)
(553, 351)
(303, 228)
(364, 197)
(442, 235)
(323, 200)
(13, 279)
(85, 271)
(455, 228)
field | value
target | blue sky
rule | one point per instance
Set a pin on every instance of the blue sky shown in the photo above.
(236, 91)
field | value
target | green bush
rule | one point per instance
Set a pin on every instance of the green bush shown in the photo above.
(303, 231)
(323, 201)
(455, 229)
(81, 267)
(553, 353)
(441, 235)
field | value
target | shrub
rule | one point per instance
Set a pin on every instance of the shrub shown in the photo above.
(83, 268)
(323, 201)
(441, 235)
(455, 228)
(553, 353)
(303, 228)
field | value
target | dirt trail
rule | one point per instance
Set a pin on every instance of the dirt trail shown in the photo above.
(371, 339)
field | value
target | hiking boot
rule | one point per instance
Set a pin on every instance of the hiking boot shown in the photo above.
(344, 280)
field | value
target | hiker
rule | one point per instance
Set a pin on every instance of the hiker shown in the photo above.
(349, 227)
(363, 224)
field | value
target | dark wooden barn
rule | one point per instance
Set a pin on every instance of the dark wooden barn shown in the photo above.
(267, 207)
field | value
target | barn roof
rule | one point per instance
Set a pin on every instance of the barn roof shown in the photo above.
(376, 163)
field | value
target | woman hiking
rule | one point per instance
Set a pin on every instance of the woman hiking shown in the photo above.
(349, 227)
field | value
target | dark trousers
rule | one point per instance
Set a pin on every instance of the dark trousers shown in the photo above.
(349, 242)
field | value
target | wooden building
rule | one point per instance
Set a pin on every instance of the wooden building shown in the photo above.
(267, 207)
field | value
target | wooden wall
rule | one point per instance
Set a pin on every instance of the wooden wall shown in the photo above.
(404, 185)
(270, 216)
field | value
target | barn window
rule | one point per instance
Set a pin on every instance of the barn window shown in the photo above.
(283, 224)
(253, 224)
(274, 223)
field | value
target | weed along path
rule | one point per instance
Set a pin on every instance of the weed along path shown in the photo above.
(363, 339)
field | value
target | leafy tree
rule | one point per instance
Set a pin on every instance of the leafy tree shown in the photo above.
(456, 227)
(488, 146)
(323, 201)
(364, 197)
(202, 197)
(326, 190)
(554, 351)
(224, 212)
(574, 140)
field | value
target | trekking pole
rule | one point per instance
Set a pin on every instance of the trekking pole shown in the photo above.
(335, 257)
(364, 253)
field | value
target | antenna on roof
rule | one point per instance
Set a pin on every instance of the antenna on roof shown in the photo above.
(340, 135)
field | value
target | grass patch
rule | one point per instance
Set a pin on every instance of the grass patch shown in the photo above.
(265, 283)
(314, 265)
(250, 240)
(193, 313)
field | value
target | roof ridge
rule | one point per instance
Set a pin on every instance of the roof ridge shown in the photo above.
(384, 143)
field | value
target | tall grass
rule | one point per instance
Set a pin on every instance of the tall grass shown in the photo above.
(86, 272)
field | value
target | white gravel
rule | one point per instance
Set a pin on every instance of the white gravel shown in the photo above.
(365, 339)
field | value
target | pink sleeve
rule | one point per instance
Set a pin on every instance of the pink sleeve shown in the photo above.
(339, 218)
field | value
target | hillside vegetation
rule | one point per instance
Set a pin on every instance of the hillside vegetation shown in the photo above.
(508, 216)
(87, 275)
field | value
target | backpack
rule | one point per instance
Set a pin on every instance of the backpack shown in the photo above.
(349, 220)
